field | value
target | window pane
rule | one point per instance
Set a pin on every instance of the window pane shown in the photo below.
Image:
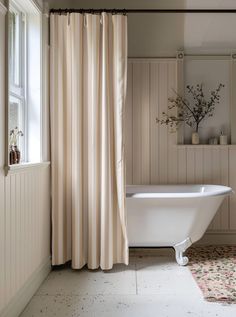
(14, 115)
(14, 47)
(16, 119)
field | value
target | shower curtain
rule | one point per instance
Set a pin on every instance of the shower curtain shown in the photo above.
(88, 70)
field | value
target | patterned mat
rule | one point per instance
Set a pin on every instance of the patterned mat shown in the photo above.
(214, 269)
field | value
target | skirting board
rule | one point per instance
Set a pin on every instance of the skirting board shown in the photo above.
(23, 296)
(218, 238)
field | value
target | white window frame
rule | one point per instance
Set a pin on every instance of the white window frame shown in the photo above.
(20, 91)
(31, 88)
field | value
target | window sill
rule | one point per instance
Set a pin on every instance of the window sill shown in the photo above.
(25, 166)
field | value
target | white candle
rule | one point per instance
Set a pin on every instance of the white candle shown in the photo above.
(223, 139)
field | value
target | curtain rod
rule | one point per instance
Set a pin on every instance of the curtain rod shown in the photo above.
(125, 11)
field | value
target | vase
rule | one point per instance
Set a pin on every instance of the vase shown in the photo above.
(18, 155)
(12, 155)
(195, 138)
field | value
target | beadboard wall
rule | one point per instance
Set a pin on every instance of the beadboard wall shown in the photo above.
(152, 153)
(24, 219)
(24, 235)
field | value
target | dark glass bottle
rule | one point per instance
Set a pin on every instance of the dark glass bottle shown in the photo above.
(18, 156)
(12, 155)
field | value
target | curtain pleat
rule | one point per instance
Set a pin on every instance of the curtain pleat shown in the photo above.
(88, 87)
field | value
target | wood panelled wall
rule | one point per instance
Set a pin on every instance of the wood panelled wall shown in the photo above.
(152, 153)
(24, 229)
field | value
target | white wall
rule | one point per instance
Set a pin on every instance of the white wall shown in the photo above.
(24, 220)
(152, 35)
(210, 72)
(151, 157)
(24, 236)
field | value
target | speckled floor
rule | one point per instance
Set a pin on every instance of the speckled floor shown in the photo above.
(152, 285)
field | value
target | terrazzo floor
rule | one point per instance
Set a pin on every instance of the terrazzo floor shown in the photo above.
(152, 285)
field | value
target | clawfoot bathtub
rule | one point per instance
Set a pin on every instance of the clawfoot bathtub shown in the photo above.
(171, 215)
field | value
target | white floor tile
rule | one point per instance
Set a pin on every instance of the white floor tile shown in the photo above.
(125, 306)
(151, 286)
(162, 275)
(120, 280)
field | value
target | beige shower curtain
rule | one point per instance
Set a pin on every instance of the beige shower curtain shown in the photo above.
(88, 55)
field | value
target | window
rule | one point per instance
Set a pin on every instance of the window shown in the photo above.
(24, 69)
(17, 73)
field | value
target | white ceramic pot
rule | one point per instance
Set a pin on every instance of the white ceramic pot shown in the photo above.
(195, 138)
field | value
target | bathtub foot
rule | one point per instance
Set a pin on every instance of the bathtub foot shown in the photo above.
(180, 248)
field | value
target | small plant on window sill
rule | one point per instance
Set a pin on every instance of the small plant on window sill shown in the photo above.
(14, 154)
(191, 113)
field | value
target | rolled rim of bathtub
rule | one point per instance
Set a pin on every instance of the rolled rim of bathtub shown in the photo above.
(176, 191)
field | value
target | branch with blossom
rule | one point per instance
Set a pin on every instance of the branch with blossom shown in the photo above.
(191, 113)
(14, 136)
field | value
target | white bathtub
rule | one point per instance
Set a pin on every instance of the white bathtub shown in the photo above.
(171, 215)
